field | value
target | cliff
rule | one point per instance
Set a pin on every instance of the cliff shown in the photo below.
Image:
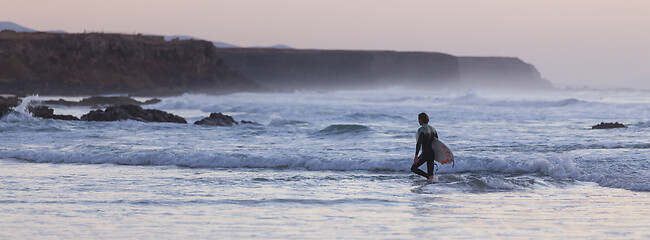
(97, 63)
(336, 69)
(499, 72)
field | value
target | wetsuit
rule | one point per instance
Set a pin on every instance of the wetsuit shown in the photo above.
(424, 138)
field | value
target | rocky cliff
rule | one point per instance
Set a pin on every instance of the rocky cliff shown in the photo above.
(97, 63)
(499, 72)
(336, 69)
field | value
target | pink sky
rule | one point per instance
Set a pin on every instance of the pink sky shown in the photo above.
(577, 42)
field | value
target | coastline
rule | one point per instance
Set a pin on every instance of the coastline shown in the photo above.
(140, 65)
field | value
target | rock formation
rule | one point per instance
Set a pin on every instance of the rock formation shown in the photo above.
(9, 101)
(499, 72)
(250, 123)
(99, 101)
(288, 69)
(5, 109)
(48, 113)
(604, 125)
(98, 63)
(131, 112)
(7, 104)
(217, 119)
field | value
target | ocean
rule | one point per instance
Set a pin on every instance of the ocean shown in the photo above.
(322, 165)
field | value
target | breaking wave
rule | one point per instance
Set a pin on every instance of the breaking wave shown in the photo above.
(277, 121)
(645, 124)
(340, 129)
(474, 99)
(487, 173)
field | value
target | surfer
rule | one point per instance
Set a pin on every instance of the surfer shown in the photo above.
(424, 138)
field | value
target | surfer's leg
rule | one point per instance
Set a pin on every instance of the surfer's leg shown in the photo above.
(415, 167)
(430, 164)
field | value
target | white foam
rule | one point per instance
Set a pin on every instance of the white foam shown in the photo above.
(24, 104)
(209, 159)
(563, 168)
(20, 112)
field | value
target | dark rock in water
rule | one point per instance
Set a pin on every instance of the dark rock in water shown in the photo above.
(131, 112)
(103, 101)
(151, 101)
(48, 113)
(5, 109)
(9, 101)
(217, 119)
(604, 125)
(250, 123)
(7, 104)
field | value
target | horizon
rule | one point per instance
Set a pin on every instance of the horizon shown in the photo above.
(572, 45)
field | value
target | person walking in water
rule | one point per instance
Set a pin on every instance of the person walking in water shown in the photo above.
(424, 138)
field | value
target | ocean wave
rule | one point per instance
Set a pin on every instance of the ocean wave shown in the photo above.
(13, 117)
(283, 122)
(207, 159)
(188, 101)
(473, 98)
(519, 103)
(574, 147)
(526, 103)
(645, 124)
(527, 148)
(487, 173)
(277, 121)
(372, 117)
(491, 183)
(20, 112)
(204, 159)
(341, 129)
(386, 100)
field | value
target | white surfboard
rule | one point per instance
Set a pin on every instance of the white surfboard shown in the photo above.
(443, 153)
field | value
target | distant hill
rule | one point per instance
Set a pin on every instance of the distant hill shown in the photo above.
(18, 28)
(221, 44)
(56, 31)
(14, 27)
(277, 46)
(281, 46)
(216, 44)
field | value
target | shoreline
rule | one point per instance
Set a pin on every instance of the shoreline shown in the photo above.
(335, 207)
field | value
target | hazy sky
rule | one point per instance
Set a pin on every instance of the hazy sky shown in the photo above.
(578, 42)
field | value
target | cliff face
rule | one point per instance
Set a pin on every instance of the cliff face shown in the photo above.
(94, 63)
(332, 69)
(73, 64)
(499, 72)
(328, 69)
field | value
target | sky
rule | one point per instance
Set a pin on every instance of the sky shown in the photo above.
(595, 43)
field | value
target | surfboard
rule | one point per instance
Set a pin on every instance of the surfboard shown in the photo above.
(443, 153)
